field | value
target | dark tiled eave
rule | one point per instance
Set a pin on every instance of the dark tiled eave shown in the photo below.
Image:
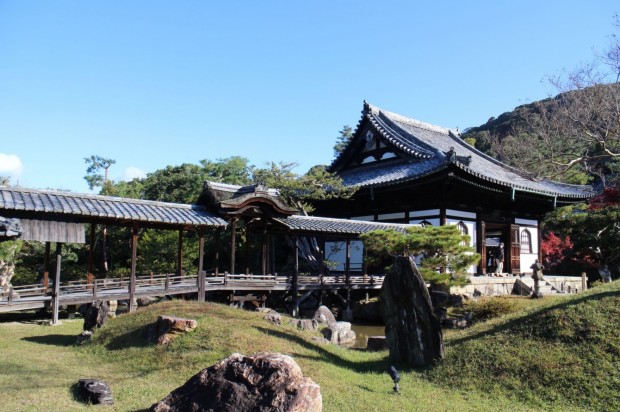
(342, 227)
(89, 208)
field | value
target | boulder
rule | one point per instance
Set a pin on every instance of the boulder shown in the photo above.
(305, 324)
(324, 316)
(274, 317)
(96, 315)
(412, 330)
(261, 382)
(166, 328)
(340, 333)
(94, 391)
(146, 300)
(376, 343)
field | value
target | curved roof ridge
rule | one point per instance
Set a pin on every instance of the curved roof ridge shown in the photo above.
(408, 120)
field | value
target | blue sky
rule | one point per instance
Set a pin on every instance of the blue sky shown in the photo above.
(157, 83)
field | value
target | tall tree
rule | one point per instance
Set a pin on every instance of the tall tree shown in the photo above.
(94, 177)
(346, 134)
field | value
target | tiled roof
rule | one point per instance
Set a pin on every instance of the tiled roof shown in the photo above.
(84, 207)
(314, 224)
(428, 146)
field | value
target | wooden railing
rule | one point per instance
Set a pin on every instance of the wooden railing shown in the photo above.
(160, 284)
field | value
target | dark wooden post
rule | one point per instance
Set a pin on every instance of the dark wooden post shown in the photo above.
(233, 240)
(91, 254)
(56, 291)
(264, 253)
(295, 280)
(201, 273)
(246, 247)
(321, 243)
(180, 254)
(46, 266)
(218, 244)
(132, 279)
(348, 314)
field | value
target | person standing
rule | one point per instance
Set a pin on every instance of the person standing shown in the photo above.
(499, 259)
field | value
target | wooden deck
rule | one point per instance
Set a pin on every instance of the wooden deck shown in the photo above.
(28, 297)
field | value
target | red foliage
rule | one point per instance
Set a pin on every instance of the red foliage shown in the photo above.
(555, 249)
(609, 197)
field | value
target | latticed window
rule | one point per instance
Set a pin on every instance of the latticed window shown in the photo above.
(526, 241)
(463, 229)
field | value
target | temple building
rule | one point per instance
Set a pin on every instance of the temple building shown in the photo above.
(412, 172)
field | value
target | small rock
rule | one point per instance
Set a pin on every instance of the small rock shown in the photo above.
(96, 315)
(95, 391)
(274, 317)
(305, 324)
(324, 316)
(84, 337)
(166, 328)
(340, 333)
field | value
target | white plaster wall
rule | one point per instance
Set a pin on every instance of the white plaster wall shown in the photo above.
(527, 259)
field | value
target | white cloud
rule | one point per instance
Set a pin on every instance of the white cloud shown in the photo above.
(133, 172)
(11, 166)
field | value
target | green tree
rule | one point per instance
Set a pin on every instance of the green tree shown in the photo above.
(94, 177)
(441, 250)
(346, 134)
(298, 190)
(234, 170)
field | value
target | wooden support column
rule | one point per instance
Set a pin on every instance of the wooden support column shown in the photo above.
(180, 254)
(91, 255)
(46, 266)
(246, 247)
(233, 240)
(201, 272)
(296, 280)
(348, 313)
(218, 245)
(481, 246)
(132, 280)
(56, 291)
(264, 253)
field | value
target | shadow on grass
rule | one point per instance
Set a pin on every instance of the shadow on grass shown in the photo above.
(55, 340)
(515, 322)
(135, 338)
(378, 366)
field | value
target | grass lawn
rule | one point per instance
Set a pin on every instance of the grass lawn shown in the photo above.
(494, 366)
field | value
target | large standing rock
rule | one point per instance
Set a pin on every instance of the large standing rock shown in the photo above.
(96, 315)
(262, 382)
(324, 316)
(412, 330)
(94, 391)
(167, 328)
(340, 333)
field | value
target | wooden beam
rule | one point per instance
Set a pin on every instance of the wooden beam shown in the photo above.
(201, 272)
(56, 292)
(348, 315)
(132, 279)
(264, 253)
(218, 245)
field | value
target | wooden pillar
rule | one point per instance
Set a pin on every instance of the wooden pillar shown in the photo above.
(132, 279)
(481, 246)
(233, 240)
(348, 313)
(321, 245)
(91, 250)
(246, 247)
(46, 266)
(264, 253)
(201, 272)
(296, 280)
(180, 254)
(56, 291)
(218, 245)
